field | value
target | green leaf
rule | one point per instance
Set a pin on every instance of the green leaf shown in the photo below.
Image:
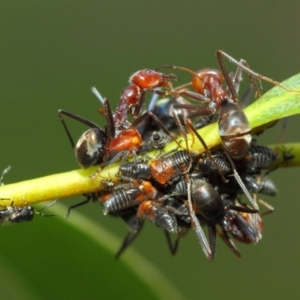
(71, 269)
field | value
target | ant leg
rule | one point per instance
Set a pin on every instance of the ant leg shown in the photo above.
(246, 192)
(221, 53)
(138, 108)
(162, 126)
(110, 124)
(128, 240)
(229, 242)
(268, 206)
(246, 97)
(196, 225)
(107, 112)
(207, 151)
(62, 112)
(254, 85)
(89, 197)
(123, 155)
(212, 237)
(46, 207)
(173, 247)
(283, 131)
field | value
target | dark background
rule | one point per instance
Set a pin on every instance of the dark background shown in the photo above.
(53, 52)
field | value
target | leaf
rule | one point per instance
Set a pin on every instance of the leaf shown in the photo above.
(81, 266)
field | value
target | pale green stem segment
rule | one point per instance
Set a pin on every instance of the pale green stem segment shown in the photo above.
(275, 104)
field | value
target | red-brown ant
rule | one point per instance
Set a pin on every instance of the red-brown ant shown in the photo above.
(133, 96)
(234, 128)
(98, 146)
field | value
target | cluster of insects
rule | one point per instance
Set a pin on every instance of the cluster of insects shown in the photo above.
(181, 189)
(184, 188)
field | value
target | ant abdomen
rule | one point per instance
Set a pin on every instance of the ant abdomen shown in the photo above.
(267, 186)
(234, 130)
(135, 170)
(260, 157)
(208, 168)
(158, 215)
(90, 148)
(207, 201)
(120, 199)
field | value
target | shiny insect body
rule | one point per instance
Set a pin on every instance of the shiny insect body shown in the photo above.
(16, 214)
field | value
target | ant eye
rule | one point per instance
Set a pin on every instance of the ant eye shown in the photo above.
(90, 148)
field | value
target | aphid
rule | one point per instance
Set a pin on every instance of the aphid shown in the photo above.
(158, 214)
(133, 195)
(163, 170)
(267, 186)
(16, 214)
(208, 168)
(167, 168)
(287, 156)
(258, 157)
(139, 169)
(156, 141)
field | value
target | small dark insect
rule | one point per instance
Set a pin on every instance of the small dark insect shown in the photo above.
(18, 214)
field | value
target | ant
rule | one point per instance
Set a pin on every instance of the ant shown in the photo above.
(98, 146)
(204, 202)
(133, 96)
(234, 128)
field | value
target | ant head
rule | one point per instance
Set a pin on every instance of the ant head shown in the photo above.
(90, 148)
(149, 79)
(205, 78)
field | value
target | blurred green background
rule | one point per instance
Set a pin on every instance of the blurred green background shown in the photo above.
(52, 53)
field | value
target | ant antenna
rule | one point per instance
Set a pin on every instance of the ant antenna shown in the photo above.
(246, 192)
(98, 95)
(6, 170)
(153, 100)
(199, 232)
(46, 207)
